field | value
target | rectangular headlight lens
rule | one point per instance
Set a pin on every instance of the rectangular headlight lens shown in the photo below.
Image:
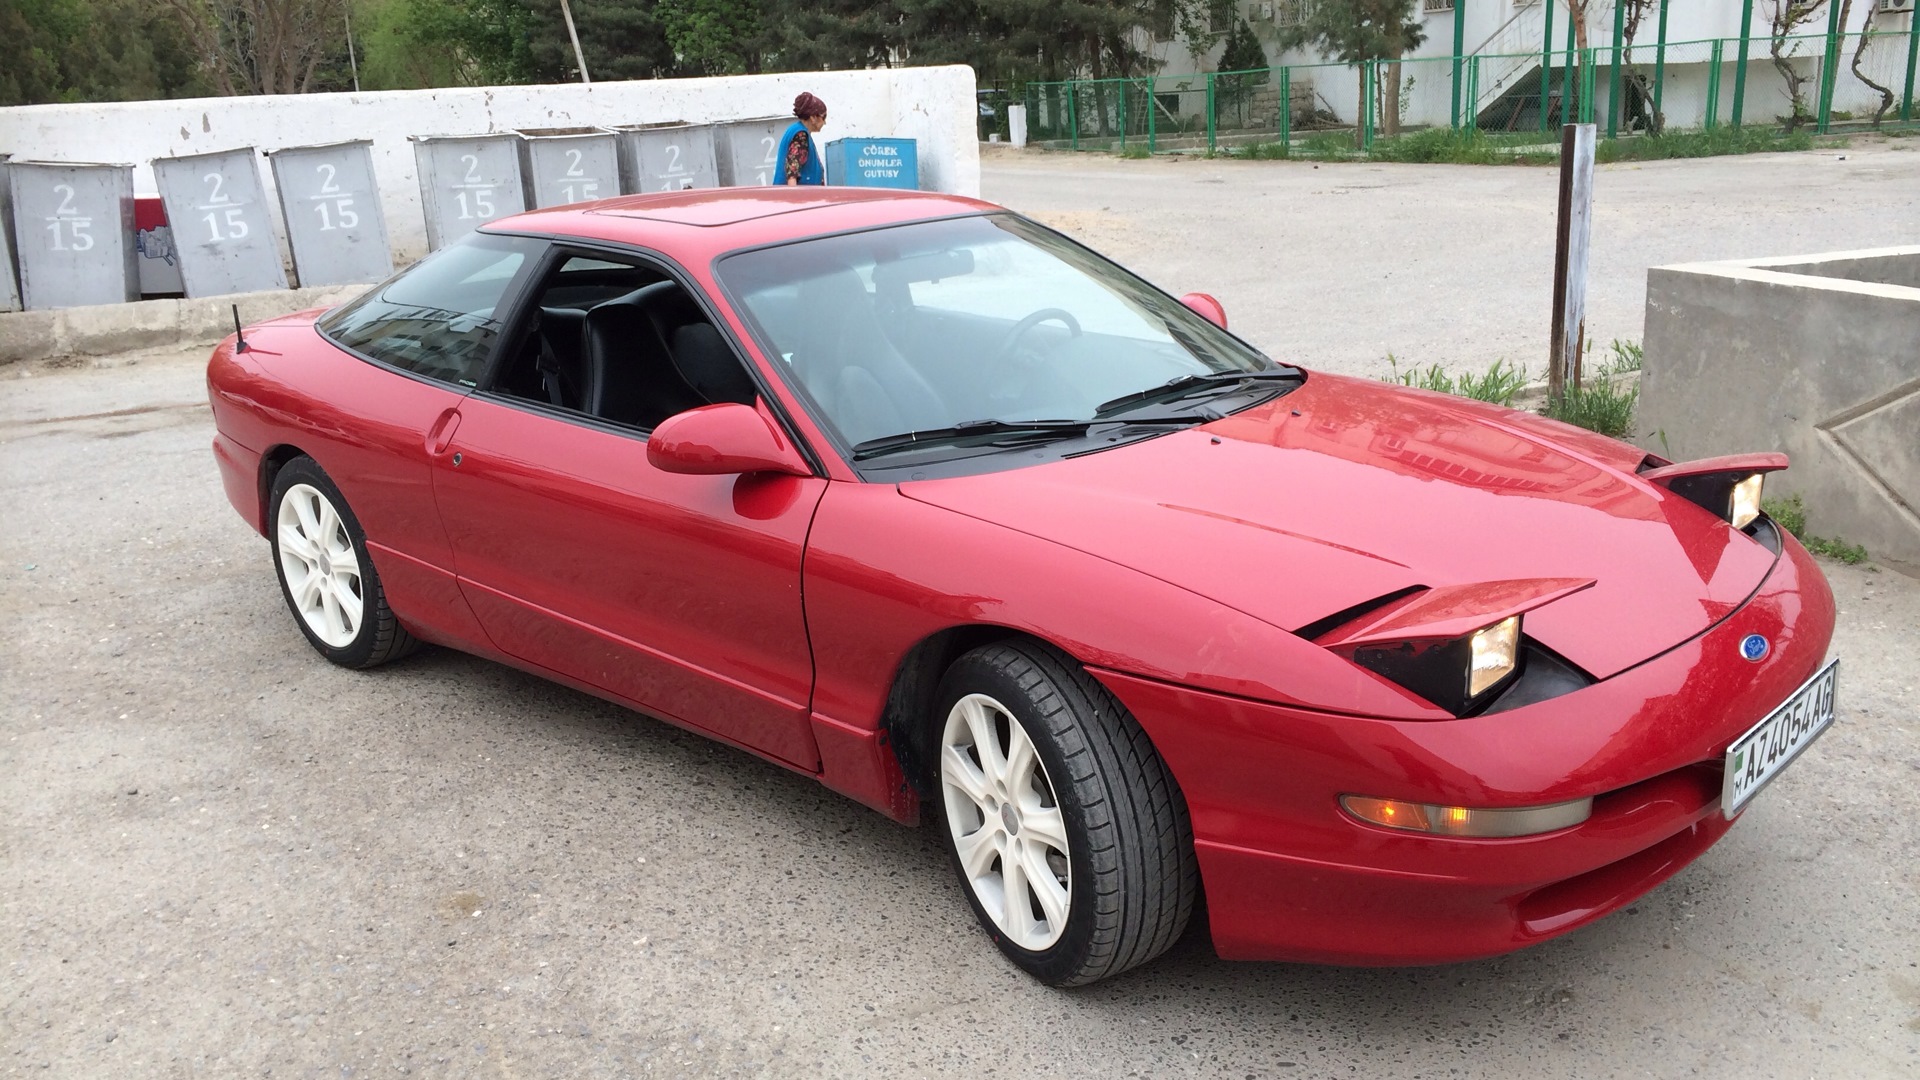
(1465, 820)
(1746, 501)
(1494, 652)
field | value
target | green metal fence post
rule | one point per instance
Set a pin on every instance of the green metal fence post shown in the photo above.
(1829, 60)
(1210, 127)
(1589, 83)
(1286, 112)
(1913, 53)
(1122, 106)
(1613, 71)
(1660, 73)
(1546, 67)
(1073, 112)
(1740, 73)
(1473, 93)
(1713, 83)
(1459, 46)
(1152, 107)
(1368, 76)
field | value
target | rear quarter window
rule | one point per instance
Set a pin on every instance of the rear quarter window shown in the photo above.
(438, 318)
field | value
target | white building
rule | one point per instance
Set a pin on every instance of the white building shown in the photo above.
(1504, 82)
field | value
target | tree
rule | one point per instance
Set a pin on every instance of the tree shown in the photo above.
(54, 50)
(1355, 31)
(719, 37)
(262, 46)
(1242, 54)
(1859, 54)
(1786, 17)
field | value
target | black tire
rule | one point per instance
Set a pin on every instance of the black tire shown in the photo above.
(375, 636)
(1133, 875)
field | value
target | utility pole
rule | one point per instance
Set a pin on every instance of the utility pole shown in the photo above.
(352, 61)
(572, 35)
(1570, 259)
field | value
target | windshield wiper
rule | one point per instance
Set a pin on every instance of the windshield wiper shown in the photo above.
(1017, 431)
(1188, 385)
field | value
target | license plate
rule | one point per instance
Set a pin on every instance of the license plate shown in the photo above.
(1757, 757)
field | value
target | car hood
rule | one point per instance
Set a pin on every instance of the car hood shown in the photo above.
(1346, 490)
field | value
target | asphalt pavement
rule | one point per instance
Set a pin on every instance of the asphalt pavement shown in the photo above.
(221, 856)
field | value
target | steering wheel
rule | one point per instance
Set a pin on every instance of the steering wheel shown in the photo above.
(1006, 347)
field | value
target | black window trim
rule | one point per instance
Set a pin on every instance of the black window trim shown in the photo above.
(561, 246)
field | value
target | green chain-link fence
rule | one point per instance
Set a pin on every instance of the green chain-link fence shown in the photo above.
(1815, 81)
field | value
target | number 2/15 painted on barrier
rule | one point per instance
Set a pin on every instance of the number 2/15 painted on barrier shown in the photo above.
(335, 209)
(222, 217)
(71, 229)
(577, 186)
(477, 200)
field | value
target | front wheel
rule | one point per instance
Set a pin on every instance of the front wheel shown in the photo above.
(1070, 836)
(329, 582)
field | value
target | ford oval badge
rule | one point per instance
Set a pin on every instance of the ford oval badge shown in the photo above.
(1754, 647)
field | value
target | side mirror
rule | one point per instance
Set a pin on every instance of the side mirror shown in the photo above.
(715, 440)
(1207, 307)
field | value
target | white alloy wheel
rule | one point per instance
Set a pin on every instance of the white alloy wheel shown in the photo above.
(321, 570)
(1008, 831)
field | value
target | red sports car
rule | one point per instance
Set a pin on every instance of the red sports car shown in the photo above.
(913, 495)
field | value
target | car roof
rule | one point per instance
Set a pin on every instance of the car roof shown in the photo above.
(716, 220)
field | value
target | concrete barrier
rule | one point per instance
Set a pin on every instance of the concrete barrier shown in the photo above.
(27, 336)
(933, 105)
(1817, 356)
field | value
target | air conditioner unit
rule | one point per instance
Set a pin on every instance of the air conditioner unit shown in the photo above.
(1431, 6)
(1889, 7)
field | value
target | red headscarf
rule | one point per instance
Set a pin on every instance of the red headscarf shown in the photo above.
(807, 105)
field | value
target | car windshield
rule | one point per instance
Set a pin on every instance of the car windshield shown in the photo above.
(977, 323)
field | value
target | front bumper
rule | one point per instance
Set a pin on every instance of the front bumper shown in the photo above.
(1289, 876)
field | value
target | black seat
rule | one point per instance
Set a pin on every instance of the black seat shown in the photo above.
(708, 365)
(850, 366)
(630, 376)
(562, 362)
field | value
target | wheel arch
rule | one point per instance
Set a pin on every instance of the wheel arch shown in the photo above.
(916, 682)
(271, 462)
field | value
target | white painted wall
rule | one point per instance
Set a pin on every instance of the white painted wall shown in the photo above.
(933, 105)
(1687, 20)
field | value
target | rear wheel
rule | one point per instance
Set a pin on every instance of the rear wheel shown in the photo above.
(330, 585)
(1069, 835)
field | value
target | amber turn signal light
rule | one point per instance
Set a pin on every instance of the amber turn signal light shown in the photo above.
(1465, 820)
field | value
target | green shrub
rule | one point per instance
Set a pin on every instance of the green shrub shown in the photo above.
(1134, 152)
(1791, 514)
(1598, 405)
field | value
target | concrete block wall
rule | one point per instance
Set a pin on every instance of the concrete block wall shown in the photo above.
(934, 105)
(1817, 356)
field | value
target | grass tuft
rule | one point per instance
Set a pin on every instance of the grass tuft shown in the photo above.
(1598, 405)
(1791, 514)
(1499, 385)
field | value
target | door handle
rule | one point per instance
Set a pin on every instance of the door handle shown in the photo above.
(441, 433)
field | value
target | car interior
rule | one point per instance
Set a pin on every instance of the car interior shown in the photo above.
(624, 344)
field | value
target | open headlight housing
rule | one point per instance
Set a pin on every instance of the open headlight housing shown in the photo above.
(1728, 487)
(1458, 674)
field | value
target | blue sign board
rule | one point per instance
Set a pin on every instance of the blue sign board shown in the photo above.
(882, 162)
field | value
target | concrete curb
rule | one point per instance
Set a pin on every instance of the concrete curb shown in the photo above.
(109, 328)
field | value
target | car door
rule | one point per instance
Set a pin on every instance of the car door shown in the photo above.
(420, 342)
(680, 594)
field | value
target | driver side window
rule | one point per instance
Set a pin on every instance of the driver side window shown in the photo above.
(623, 343)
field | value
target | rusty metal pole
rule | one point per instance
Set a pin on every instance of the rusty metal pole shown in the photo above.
(1570, 259)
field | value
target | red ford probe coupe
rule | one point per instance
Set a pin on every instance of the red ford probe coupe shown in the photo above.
(918, 497)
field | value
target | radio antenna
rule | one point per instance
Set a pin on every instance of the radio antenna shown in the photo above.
(239, 340)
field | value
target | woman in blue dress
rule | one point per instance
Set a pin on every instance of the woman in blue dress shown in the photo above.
(799, 160)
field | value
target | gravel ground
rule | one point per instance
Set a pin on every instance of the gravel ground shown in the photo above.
(1336, 265)
(222, 856)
